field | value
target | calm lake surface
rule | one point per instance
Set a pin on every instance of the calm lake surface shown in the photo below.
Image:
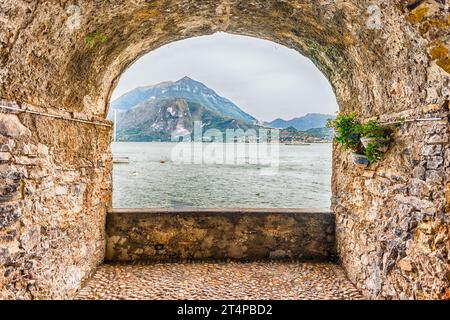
(153, 180)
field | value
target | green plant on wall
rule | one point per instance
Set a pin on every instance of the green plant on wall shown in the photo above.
(370, 140)
(347, 129)
(372, 129)
(373, 152)
(95, 37)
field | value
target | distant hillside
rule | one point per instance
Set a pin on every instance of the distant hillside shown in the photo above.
(323, 133)
(187, 89)
(310, 121)
(291, 134)
(164, 119)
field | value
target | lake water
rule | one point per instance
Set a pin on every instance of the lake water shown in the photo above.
(153, 179)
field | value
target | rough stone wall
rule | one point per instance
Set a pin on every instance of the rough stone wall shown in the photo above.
(392, 218)
(393, 221)
(173, 235)
(54, 189)
(384, 58)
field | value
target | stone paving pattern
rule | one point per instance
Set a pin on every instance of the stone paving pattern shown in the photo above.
(218, 280)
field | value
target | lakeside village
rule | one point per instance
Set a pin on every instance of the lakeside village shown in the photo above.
(288, 136)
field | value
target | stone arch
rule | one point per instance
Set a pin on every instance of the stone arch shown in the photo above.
(384, 59)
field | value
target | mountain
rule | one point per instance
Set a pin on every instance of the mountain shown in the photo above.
(163, 119)
(310, 121)
(321, 133)
(187, 89)
(168, 110)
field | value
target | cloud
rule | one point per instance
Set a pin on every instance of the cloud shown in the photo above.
(263, 78)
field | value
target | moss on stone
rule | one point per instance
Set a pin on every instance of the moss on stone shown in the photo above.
(146, 14)
(438, 52)
(417, 15)
(95, 37)
(435, 23)
(444, 64)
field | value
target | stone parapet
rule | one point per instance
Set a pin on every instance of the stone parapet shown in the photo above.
(239, 234)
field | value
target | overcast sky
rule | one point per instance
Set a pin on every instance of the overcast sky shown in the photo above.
(263, 78)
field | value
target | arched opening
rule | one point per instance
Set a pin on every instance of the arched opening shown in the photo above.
(246, 84)
(59, 66)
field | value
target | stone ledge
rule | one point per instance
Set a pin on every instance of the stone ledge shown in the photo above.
(204, 234)
(218, 210)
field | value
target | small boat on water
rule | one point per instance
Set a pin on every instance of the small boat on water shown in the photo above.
(121, 160)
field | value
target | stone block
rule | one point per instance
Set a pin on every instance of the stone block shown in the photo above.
(61, 190)
(9, 214)
(378, 187)
(434, 177)
(419, 188)
(419, 172)
(11, 126)
(368, 174)
(432, 150)
(26, 161)
(37, 173)
(438, 139)
(447, 157)
(405, 264)
(425, 206)
(435, 162)
(5, 157)
(42, 150)
(30, 239)
(8, 171)
(30, 151)
(4, 256)
(9, 190)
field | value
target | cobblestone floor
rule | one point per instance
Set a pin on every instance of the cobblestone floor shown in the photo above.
(231, 280)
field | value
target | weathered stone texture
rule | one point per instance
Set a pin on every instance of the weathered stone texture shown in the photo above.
(53, 201)
(174, 235)
(402, 202)
(384, 58)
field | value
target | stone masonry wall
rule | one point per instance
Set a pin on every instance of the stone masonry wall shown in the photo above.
(392, 218)
(54, 191)
(173, 235)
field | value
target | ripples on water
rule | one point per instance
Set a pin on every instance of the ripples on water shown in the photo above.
(303, 180)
